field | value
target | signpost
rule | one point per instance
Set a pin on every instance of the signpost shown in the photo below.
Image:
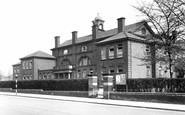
(16, 77)
(121, 80)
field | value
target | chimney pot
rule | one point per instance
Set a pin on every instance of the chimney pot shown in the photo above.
(121, 24)
(57, 41)
(74, 37)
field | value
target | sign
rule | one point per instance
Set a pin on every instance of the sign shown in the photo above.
(121, 79)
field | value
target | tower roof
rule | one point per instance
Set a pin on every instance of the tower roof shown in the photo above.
(98, 17)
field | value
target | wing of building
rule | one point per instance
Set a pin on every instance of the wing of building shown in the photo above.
(31, 65)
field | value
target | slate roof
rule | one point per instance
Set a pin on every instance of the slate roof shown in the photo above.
(39, 54)
(108, 33)
(122, 35)
(18, 63)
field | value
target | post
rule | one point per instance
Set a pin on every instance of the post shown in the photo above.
(93, 86)
(16, 78)
(16, 86)
(107, 85)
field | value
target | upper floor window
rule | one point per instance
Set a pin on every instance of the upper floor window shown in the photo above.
(65, 52)
(148, 70)
(65, 63)
(119, 51)
(84, 48)
(143, 31)
(84, 61)
(147, 49)
(23, 65)
(30, 64)
(27, 64)
(15, 70)
(111, 52)
(120, 69)
(111, 70)
(103, 53)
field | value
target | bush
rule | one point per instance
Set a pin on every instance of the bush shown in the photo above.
(65, 85)
(154, 84)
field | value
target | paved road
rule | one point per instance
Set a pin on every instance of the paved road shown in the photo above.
(15, 105)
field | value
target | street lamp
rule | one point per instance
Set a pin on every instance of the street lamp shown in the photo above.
(16, 77)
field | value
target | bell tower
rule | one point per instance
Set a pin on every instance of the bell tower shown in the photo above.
(98, 22)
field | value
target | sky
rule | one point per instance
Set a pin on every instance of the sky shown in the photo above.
(27, 26)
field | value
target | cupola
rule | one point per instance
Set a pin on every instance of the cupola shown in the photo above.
(98, 22)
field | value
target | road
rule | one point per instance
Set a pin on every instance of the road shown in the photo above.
(15, 105)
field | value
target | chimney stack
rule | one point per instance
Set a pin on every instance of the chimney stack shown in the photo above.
(74, 37)
(57, 41)
(121, 24)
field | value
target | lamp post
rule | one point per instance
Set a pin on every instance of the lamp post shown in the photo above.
(16, 77)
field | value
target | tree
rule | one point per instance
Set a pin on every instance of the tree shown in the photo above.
(167, 19)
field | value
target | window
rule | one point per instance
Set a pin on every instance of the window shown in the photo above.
(103, 53)
(143, 31)
(79, 74)
(147, 70)
(103, 70)
(30, 64)
(65, 52)
(111, 52)
(66, 63)
(147, 49)
(17, 69)
(27, 64)
(84, 73)
(111, 70)
(119, 51)
(84, 49)
(160, 71)
(84, 61)
(23, 65)
(120, 69)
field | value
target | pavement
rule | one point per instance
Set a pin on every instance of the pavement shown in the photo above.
(149, 105)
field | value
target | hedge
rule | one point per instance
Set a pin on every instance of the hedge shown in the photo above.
(65, 85)
(153, 85)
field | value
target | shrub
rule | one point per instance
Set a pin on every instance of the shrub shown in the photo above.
(65, 85)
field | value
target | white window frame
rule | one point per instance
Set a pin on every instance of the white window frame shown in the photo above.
(84, 48)
(65, 52)
(103, 53)
(119, 50)
(111, 52)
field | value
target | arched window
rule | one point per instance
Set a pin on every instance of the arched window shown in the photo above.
(101, 26)
(65, 62)
(84, 61)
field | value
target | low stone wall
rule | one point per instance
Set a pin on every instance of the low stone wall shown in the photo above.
(67, 93)
(40, 91)
(175, 98)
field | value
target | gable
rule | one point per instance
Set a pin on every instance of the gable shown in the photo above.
(142, 31)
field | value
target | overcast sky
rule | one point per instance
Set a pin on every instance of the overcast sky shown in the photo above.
(27, 26)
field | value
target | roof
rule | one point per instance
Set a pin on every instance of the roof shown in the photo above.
(18, 63)
(121, 35)
(103, 34)
(39, 54)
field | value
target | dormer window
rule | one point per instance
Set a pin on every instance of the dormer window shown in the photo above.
(84, 49)
(65, 52)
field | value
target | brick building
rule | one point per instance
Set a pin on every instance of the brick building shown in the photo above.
(30, 66)
(114, 51)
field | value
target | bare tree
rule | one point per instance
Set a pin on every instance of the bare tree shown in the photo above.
(166, 18)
